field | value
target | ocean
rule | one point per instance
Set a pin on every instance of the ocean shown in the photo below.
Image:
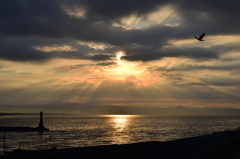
(80, 131)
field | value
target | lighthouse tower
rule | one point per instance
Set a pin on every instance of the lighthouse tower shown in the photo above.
(41, 121)
(40, 126)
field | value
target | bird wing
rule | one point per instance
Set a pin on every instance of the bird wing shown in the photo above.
(200, 37)
(196, 37)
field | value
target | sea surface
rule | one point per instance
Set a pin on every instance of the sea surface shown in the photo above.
(81, 131)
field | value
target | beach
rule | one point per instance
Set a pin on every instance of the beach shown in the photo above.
(225, 144)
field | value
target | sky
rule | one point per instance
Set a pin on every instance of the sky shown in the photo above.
(138, 53)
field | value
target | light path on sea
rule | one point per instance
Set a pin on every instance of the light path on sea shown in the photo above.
(81, 131)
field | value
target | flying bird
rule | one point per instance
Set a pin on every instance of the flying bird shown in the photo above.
(200, 37)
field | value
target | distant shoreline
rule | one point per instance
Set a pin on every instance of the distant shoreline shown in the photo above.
(6, 114)
(113, 110)
(157, 115)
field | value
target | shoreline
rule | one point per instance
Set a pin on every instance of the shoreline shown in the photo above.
(205, 146)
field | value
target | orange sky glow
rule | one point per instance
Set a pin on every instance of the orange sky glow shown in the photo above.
(144, 55)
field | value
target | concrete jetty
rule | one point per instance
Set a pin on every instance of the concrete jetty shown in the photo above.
(20, 128)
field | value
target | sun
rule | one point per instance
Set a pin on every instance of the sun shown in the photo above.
(118, 58)
(119, 55)
(119, 69)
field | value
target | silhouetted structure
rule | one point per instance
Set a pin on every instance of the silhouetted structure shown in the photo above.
(200, 37)
(41, 120)
(40, 126)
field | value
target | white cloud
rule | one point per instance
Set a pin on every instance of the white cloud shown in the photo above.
(75, 11)
(54, 48)
(154, 18)
(96, 46)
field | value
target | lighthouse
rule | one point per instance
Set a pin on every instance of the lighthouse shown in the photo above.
(40, 126)
(41, 120)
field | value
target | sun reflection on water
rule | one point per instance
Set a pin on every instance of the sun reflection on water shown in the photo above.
(120, 116)
(120, 125)
(120, 122)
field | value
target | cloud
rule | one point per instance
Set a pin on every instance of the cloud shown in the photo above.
(106, 63)
(75, 11)
(92, 23)
(54, 48)
(96, 46)
(190, 67)
(216, 80)
(119, 52)
(19, 50)
(148, 54)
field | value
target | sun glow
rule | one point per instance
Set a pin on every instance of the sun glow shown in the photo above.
(118, 58)
(119, 116)
(124, 69)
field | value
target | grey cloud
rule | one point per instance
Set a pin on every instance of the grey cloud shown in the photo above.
(112, 10)
(100, 57)
(189, 67)
(221, 81)
(106, 63)
(217, 80)
(215, 18)
(226, 48)
(195, 53)
(18, 50)
(174, 76)
(48, 20)
(147, 54)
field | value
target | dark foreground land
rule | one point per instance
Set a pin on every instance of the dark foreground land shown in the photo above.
(219, 145)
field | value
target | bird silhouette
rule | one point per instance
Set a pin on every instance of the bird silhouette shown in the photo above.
(200, 37)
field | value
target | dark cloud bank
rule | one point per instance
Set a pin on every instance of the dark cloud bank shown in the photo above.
(27, 23)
